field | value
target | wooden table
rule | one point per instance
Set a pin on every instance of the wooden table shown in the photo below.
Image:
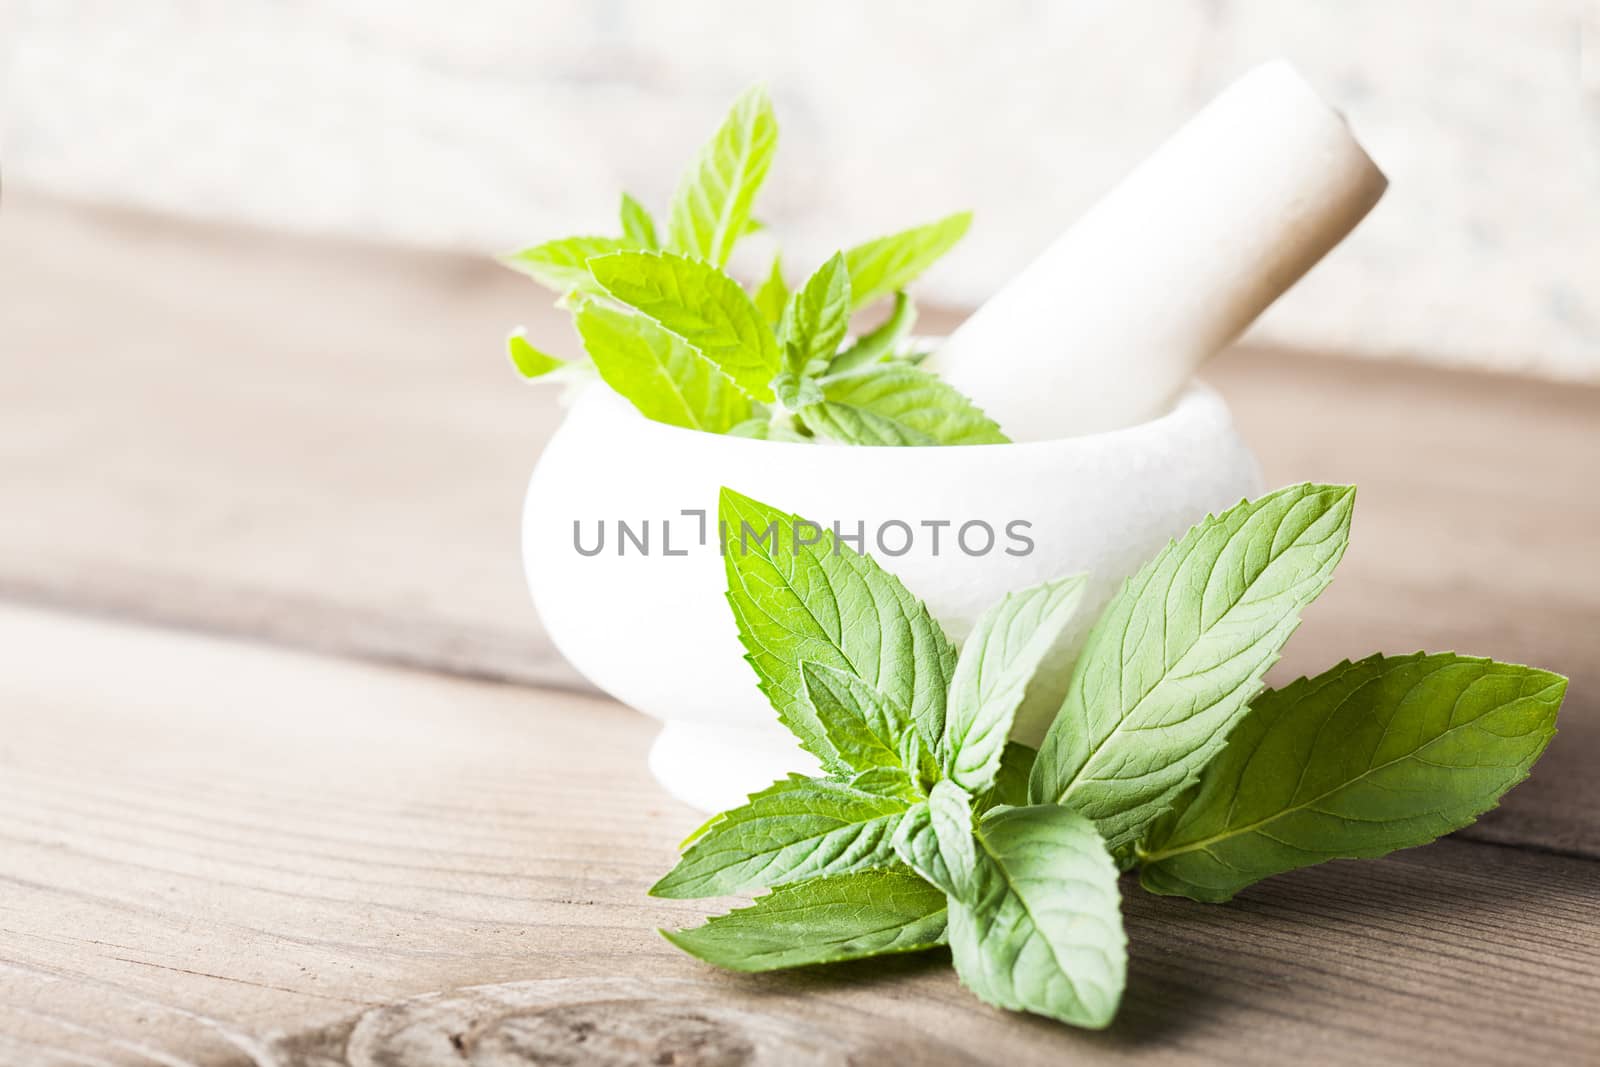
(289, 775)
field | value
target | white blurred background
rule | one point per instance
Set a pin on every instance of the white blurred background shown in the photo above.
(487, 124)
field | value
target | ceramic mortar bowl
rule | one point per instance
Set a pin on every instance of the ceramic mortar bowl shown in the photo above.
(621, 552)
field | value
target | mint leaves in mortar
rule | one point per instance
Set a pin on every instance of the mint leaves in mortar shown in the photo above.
(928, 827)
(666, 326)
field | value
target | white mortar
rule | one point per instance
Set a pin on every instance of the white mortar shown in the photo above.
(655, 631)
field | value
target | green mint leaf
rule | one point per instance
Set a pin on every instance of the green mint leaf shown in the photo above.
(817, 318)
(1043, 930)
(800, 595)
(795, 392)
(825, 920)
(895, 404)
(762, 428)
(660, 374)
(773, 295)
(700, 304)
(638, 228)
(1006, 646)
(711, 205)
(895, 783)
(935, 840)
(1364, 759)
(779, 786)
(529, 361)
(1011, 781)
(881, 266)
(864, 726)
(1171, 664)
(564, 265)
(882, 342)
(795, 829)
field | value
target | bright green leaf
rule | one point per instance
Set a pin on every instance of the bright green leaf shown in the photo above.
(863, 725)
(795, 392)
(895, 404)
(665, 378)
(529, 361)
(894, 783)
(881, 266)
(563, 265)
(997, 661)
(781, 785)
(638, 228)
(1367, 758)
(1043, 930)
(816, 318)
(1174, 659)
(700, 304)
(773, 294)
(763, 428)
(711, 205)
(794, 830)
(881, 343)
(825, 920)
(800, 595)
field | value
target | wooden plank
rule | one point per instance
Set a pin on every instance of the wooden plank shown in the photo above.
(317, 443)
(218, 853)
(313, 442)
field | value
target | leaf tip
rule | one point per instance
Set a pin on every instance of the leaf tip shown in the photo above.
(668, 888)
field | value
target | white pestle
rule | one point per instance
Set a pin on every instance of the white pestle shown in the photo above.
(1107, 326)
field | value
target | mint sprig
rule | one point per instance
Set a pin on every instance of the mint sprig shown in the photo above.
(928, 826)
(789, 350)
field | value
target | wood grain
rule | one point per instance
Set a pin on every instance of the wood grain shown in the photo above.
(221, 853)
